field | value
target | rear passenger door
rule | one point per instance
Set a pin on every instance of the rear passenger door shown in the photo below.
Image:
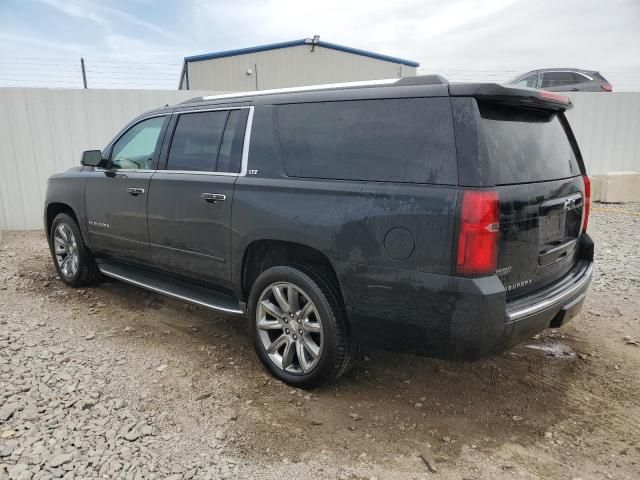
(190, 196)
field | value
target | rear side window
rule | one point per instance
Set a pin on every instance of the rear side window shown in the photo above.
(196, 141)
(526, 145)
(394, 140)
(558, 79)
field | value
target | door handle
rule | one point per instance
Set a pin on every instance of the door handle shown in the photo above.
(135, 191)
(213, 197)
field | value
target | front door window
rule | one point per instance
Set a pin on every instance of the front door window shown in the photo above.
(136, 148)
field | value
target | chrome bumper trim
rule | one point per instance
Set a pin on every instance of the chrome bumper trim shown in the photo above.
(577, 281)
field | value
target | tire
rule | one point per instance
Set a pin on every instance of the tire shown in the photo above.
(322, 325)
(74, 263)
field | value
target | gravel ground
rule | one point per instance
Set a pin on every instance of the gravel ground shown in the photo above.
(116, 382)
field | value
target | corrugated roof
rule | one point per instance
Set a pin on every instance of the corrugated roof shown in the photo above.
(295, 43)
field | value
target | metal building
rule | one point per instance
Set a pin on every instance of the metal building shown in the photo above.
(289, 64)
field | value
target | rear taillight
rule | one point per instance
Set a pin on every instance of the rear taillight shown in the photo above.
(587, 202)
(478, 237)
(606, 87)
(556, 97)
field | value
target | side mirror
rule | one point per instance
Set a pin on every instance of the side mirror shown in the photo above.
(91, 158)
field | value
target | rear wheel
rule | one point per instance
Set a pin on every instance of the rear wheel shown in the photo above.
(298, 326)
(74, 263)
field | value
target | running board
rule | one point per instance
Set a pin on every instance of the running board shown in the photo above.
(172, 288)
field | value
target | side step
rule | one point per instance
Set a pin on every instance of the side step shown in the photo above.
(171, 288)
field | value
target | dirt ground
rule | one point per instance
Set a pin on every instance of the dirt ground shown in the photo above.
(564, 405)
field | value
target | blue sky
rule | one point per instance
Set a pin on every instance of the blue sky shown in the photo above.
(142, 42)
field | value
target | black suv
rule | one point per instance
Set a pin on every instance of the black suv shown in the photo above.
(444, 219)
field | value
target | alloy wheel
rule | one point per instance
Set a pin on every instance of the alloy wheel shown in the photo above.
(66, 250)
(289, 327)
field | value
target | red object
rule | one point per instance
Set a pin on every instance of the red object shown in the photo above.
(478, 237)
(587, 202)
(606, 87)
(556, 97)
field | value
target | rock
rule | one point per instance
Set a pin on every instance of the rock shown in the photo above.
(7, 411)
(161, 368)
(58, 460)
(132, 435)
(548, 435)
(355, 416)
(129, 329)
(446, 439)
(428, 459)
(220, 435)
(316, 422)
(203, 396)
(90, 336)
(5, 450)
(582, 356)
(517, 418)
(417, 405)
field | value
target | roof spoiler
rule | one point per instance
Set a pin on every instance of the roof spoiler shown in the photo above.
(523, 97)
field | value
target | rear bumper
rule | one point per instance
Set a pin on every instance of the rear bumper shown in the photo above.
(453, 317)
(561, 293)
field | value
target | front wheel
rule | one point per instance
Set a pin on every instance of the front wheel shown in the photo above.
(74, 263)
(298, 325)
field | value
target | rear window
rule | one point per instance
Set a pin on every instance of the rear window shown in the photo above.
(526, 145)
(398, 140)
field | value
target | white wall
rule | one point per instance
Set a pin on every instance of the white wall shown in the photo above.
(607, 127)
(44, 131)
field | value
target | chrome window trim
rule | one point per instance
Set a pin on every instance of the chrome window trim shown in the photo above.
(133, 170)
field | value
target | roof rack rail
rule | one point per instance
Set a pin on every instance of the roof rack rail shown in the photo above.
(405, 81)
(422, 80)
(191, 100)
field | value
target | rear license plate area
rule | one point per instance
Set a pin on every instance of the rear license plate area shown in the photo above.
(552, 229)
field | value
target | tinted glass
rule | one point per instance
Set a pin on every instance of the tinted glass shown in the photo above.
(526, 146)
(557, 79)
(196, 141)
(135, 149)
(230, 156)
(398, 140)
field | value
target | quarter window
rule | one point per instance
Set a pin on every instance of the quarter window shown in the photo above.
(230, 157)
(388, 140)
(136, 148)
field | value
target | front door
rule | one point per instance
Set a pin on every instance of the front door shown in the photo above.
(116, 197)
(190, 201)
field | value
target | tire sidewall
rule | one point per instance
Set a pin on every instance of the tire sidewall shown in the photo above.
(83, 257)
(323, 371)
